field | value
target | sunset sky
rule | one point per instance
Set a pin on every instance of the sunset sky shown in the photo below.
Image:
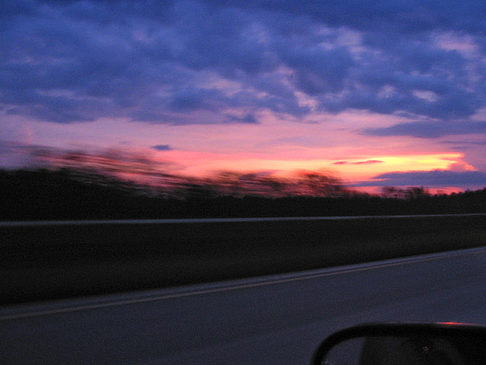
(375, 92)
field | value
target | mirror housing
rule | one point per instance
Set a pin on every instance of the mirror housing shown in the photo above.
(424, 340)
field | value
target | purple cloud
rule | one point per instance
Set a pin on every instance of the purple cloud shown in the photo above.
(429, 129)
(162, 147)
(436, 178)
(161, 62)
(366, 162)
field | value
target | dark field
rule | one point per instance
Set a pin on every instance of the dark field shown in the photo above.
(41, 263)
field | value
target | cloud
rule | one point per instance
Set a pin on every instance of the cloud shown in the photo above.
(429, 129)
(162, 147)
(466, 143)
(404, 16)
(198, 62)
(436, 178)
(248, 118)
(366, 162)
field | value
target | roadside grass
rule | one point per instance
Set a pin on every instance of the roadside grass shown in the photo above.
(45, 263)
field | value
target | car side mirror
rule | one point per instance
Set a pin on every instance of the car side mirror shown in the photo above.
(411, 344)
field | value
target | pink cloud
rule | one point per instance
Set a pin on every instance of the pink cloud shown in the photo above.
(366, 162)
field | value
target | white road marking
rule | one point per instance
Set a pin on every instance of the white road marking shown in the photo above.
(222, 220)
(281, 279)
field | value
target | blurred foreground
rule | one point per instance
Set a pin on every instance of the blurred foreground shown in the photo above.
(68, 193)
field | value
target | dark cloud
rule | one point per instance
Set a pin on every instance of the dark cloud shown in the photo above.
(405, 16)
(436, 178)
(459, 145)
(465, 143)
(196, 99)
(248, 118)
(317, 70)
(429, 129)
(165, 61)
(162, 147)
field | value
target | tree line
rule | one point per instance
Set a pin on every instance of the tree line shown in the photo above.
(73, 193)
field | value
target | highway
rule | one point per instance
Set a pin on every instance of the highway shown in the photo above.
(276, 319)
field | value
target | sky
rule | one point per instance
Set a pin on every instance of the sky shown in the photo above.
(375, 92)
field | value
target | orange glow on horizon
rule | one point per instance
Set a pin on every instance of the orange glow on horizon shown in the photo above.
(171, 166)
(202, 163)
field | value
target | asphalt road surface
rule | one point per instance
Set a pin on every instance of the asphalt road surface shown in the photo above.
(268, 320)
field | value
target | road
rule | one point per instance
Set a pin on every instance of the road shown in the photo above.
(269, 320)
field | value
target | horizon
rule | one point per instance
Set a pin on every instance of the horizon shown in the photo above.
(375, 94)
